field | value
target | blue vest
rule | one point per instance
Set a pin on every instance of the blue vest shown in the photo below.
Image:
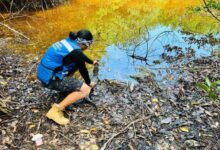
(53, 59)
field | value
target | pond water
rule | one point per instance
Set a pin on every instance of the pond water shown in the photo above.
(165, 48)
(164, 32)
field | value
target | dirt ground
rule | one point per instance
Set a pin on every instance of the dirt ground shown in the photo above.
(147, 116)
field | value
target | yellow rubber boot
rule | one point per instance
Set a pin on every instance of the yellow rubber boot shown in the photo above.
(57, 115)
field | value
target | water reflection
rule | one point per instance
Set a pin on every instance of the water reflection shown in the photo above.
(124, 21)
(162, 47)
(158, 31)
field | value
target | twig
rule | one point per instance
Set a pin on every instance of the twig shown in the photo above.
(149, 131)
(2, 3)
(66, 137)
(164, 32)
(135, 134)
(138, 57)
(216, 105)
(11, 6)
(39, 124)
(115, 135)
(140, 136)
(13, 30)
(31, 69)
(17, 13)
(59, 132)
(209, 10)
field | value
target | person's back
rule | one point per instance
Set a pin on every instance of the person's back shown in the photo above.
(61, 60)
(52, 60)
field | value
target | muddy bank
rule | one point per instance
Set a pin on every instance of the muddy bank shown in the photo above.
(144, 116)
(30, 5)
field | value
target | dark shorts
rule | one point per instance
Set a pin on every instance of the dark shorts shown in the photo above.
(67, 85)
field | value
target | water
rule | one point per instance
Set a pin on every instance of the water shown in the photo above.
(118, 65)
(166, 32)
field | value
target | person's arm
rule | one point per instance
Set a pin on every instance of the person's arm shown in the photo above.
(88, 60)
(84, 72)
(79, 59)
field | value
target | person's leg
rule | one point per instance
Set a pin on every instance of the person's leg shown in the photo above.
(63, 95)
(80, 90)
(75, 96)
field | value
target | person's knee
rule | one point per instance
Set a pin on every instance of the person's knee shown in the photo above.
(85, 90)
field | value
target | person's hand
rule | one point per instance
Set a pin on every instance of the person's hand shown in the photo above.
(92, 84)
(95, 62)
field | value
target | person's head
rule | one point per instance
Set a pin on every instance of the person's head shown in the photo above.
(83, 37)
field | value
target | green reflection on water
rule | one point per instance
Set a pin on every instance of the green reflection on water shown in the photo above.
(112, 22)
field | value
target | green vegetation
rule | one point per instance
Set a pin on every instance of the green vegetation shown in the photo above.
(213, 4)
(211, 88)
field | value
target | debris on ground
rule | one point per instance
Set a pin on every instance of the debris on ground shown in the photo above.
(143, 116)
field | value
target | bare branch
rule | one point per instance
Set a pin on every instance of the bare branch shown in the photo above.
(115, 135)
(2, 3)
(13, 30)
(209, 10)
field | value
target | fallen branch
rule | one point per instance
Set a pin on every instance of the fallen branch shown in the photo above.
(13, 30)
(115, 135)
(138, 57)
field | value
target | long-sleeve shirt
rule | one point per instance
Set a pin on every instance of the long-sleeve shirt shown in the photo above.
(79, 58)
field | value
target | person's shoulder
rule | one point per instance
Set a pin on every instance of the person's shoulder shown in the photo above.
(78, 50)
(77, 53)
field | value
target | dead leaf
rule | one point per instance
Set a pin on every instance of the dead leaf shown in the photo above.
(33, 77)
(184, 129)
(192, 143)
(54, 141)
(93, 147)
(105, 121)
(3, 82)
(93, 130)
(14, 125)
(152, 129)
(155, 100)
(169, 77)
(166, 120)
(90, 144)
(34, 110)
(32, 126)
(85, 131)
(131, 146)
(6, 140)
(195, 103)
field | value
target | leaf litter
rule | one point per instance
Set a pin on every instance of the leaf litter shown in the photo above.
(143, 116)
